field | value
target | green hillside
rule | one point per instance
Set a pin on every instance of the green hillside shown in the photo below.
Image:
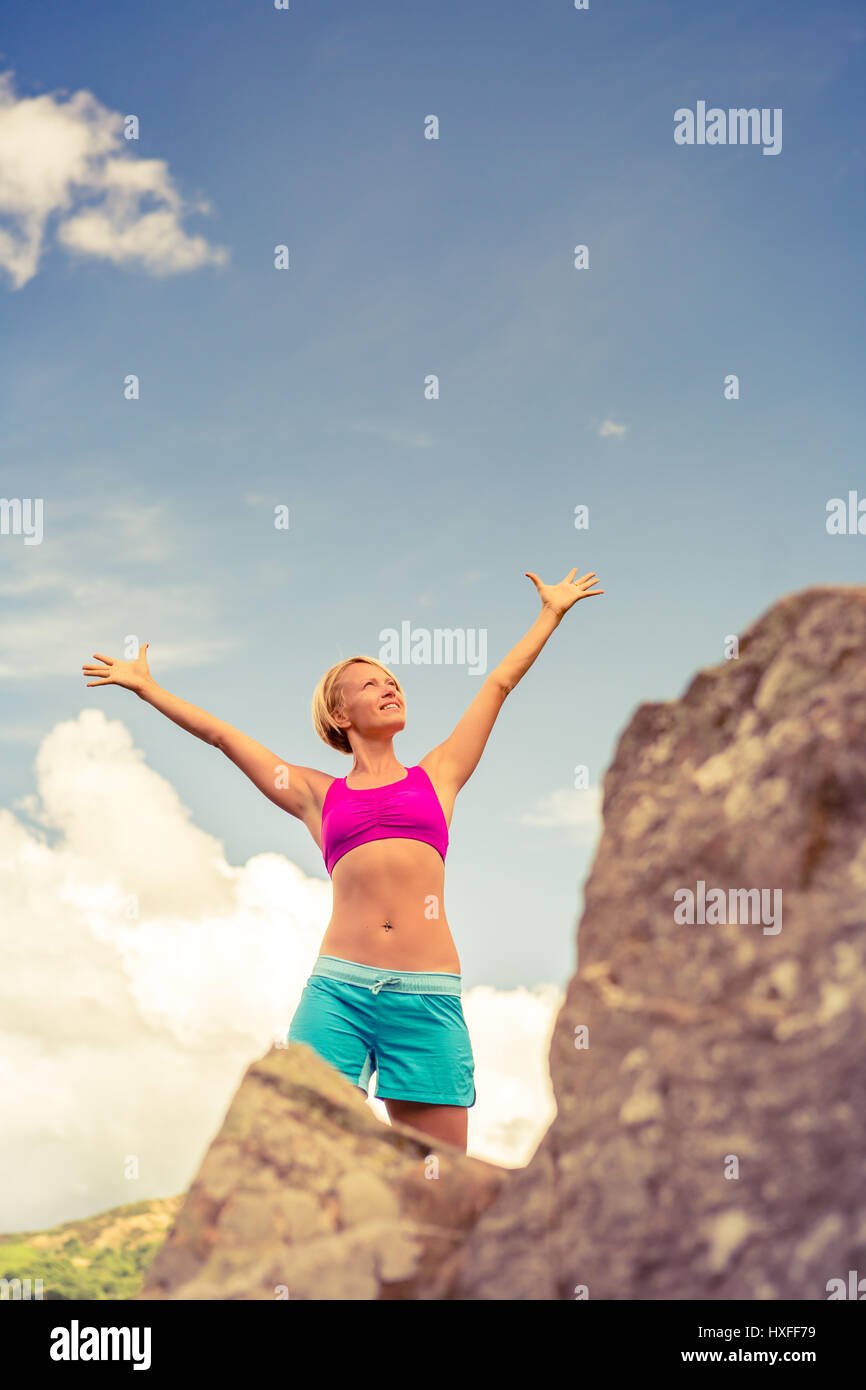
(104, 1256)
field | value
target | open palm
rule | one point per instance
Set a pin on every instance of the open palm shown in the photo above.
(129, 674)
(560, 597)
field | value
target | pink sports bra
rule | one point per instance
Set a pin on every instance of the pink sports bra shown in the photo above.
(405, 810)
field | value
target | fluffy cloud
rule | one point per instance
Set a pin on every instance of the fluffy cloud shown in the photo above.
(67, 162)
(143, 973)
(576, 809)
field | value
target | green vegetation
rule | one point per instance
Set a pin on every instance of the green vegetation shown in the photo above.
(104, 1257)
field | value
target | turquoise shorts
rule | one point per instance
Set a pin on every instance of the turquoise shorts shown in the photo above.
(406, 1025)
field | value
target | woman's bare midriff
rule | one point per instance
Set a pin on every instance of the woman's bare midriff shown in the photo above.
(388, 908)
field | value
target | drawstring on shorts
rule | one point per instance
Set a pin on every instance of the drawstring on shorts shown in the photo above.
(387, 980)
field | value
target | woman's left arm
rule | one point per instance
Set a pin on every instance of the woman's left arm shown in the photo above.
(556, 599)
(457, 758)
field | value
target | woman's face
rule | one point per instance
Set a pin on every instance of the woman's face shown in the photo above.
(371, 700)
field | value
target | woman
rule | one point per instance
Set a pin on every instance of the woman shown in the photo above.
(385, 992)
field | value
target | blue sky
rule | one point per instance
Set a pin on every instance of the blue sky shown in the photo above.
(411, 256)
(305, 387)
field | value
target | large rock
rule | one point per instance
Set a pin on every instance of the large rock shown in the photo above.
(305, 1194)
(709, 1141)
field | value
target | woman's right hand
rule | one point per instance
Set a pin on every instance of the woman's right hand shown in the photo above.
(130, 674)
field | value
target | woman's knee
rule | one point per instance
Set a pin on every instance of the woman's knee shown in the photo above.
(448, 1123)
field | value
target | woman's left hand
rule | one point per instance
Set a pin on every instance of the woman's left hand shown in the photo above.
(560, 597)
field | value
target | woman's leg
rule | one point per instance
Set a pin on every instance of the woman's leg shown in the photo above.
(450, 1123)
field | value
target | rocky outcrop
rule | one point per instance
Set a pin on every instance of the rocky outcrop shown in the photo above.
(709, 1078)
(305, 1194)
(708, 1073)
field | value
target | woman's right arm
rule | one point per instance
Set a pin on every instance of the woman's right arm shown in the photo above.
(288, 786)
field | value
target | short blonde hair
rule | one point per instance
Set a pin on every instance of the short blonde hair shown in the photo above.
(327, 698)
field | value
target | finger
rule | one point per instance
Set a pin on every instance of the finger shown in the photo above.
(99, 683)
(584, 577)
(534, 577)
(571, 573)
(109, 660)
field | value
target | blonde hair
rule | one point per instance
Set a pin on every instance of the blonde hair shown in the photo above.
(327, 697)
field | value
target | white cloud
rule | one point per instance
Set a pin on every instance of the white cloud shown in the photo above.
(572, 808)
(68, 164)
(143, 973)
(135, 533)
(83, 609)
(609, 427)
(511, 1032)
(59, 643)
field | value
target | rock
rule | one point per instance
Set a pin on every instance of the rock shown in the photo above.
(709, 1080)
(305, 1194)
(709, 1140)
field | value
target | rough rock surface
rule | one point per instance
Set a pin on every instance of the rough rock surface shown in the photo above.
(305, 1194)
(709, 1077)
(709, 1141)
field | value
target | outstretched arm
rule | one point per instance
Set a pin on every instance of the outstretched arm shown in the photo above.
(288, 786)
(457, 758)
